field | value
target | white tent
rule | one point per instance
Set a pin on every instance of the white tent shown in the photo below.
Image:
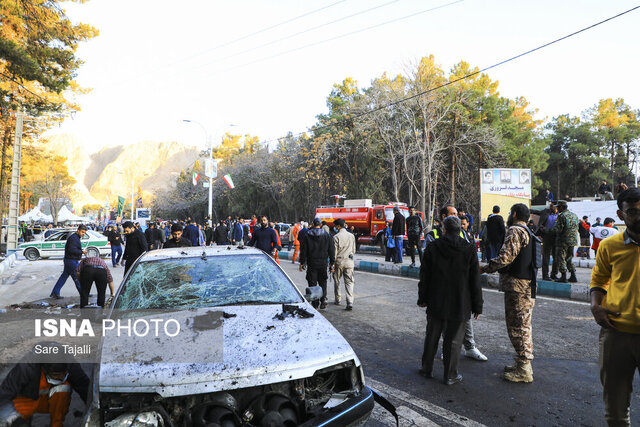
(64, 215)
(35, 215)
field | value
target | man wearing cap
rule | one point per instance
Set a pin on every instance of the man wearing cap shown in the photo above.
(344, 244)
(72, 254)
(135, 246)
(43, 388)
(566, 232)
(316, 247)
(518, 282)
(176, 240)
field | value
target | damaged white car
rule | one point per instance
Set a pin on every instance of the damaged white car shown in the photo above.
(251, 350)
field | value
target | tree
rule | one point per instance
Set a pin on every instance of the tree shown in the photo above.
(54, 183)
(617, 127)
(37, 67)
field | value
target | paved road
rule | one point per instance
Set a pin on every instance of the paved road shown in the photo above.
(386, 330)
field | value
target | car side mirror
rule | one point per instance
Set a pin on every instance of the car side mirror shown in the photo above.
(313, 293)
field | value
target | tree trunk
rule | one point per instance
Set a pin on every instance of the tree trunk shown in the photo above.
(613, 162)
(558, 181)
(452, 194)
(394, 179)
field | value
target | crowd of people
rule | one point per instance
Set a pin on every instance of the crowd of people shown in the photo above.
(449, 288)
(449, 281)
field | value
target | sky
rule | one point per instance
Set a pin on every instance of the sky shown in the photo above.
(259, 68)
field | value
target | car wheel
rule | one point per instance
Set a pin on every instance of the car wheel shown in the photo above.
(31, 254)
(93, 252)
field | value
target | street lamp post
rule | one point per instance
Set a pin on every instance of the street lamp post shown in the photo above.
(210, 143)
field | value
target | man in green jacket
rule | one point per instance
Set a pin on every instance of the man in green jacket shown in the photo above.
(566, 232)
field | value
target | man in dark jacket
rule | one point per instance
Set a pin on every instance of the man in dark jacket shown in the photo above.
(176, 240)
(470, 348)
(414, 231)
(221, 234)
(264, 237)
(72, 253)
(153, 236)
(208, 234)
(315, 248)
(238, 232)
(115, 240)
(191, 233)
(546, 222)
(34, 387)
(397, 231)
(136, 245)
(450, 289)
(495, 233)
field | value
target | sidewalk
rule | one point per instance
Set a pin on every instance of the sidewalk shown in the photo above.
(375, 263)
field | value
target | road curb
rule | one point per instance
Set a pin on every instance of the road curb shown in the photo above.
(574, 291)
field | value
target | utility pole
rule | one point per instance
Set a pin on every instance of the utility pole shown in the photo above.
(132, 205)
(14, 198)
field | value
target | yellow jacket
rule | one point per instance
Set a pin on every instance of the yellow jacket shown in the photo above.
(617, 272)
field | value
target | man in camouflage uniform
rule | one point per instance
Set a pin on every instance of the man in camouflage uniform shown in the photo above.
(566, 232)
(518, 296)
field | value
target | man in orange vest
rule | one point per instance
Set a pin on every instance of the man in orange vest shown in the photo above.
(43, 388)
(275, 252)
(296, 242)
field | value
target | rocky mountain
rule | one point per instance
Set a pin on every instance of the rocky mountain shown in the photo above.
(110, 172)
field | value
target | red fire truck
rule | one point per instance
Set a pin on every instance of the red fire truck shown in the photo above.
(368, 219)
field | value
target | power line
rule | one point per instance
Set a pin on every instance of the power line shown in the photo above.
(342, 35)
(356, 116)
(246, 36)
(344, 18)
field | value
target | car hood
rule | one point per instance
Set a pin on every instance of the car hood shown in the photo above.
(257, 349)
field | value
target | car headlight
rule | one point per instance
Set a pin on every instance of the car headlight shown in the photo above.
(141, 419)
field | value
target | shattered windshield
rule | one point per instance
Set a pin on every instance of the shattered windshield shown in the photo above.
(198, 282)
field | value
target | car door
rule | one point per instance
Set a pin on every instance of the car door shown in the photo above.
(54, 244)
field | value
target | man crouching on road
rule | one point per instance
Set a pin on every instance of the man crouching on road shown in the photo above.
(450, 289)
(515, 260)
(44, 388)
(616, 275)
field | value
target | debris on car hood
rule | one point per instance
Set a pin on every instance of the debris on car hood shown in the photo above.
(289, 310)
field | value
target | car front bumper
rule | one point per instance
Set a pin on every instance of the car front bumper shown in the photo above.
(353, 412)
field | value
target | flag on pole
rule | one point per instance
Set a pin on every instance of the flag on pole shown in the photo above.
(229, 181)
(121, 201)
(195, 179)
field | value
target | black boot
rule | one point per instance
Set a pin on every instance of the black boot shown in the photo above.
(573, 278)
(545, 276)
(563, 278)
